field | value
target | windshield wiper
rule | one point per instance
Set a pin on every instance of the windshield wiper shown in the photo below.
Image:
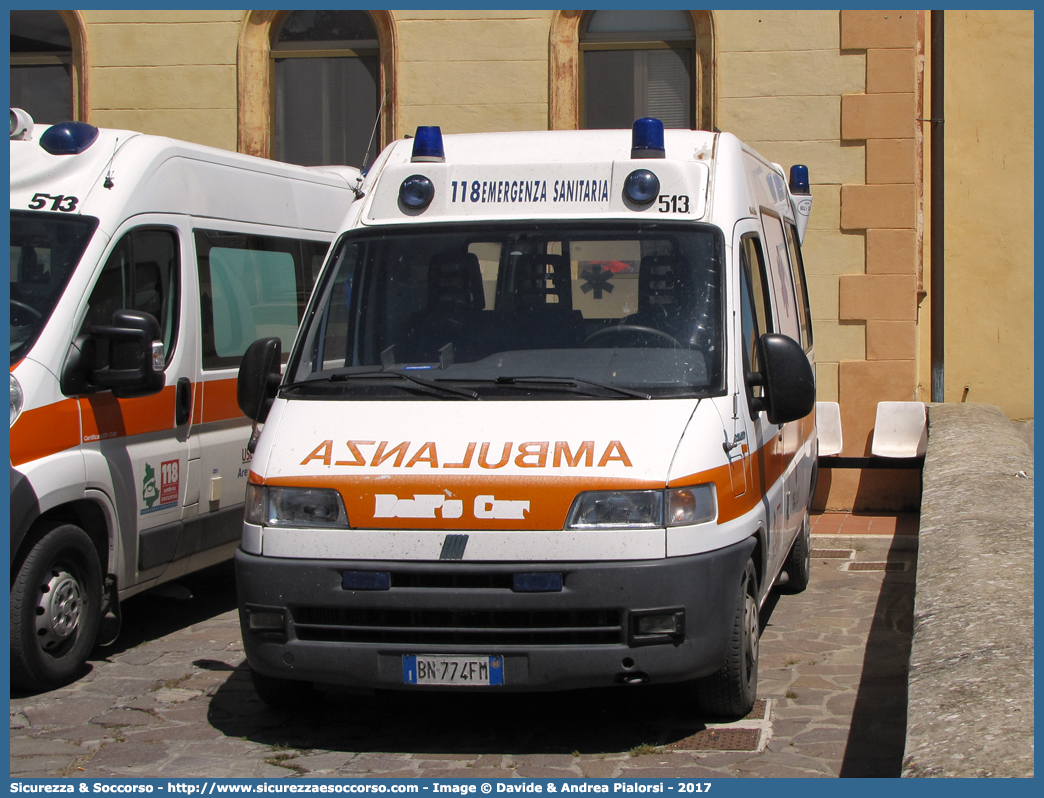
(430, 386)
(570, 384)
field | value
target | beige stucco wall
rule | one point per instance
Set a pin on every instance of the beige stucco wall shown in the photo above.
(473, 71)
(989, 209)
(781, 76)
(171, 73)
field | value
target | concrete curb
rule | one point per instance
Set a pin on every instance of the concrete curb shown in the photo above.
(971, 664)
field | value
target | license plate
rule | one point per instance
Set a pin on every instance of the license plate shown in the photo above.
(450, 669)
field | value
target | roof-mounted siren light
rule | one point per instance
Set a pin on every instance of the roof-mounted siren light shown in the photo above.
(427, 145)
(68, 138)
(21, 125)
(647, 138)
(802, 198)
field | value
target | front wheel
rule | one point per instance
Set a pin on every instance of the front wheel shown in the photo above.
(730, 692)
(55, 609)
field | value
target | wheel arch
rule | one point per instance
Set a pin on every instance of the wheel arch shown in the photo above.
(758, 556)
(88, 515)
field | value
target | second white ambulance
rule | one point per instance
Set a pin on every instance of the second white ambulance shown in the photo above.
(141, 269)
(547, 423)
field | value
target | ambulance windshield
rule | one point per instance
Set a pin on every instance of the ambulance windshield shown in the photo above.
(488, 308)
(45, 248)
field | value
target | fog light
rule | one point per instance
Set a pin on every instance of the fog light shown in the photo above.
(266, 620)
(657, 625)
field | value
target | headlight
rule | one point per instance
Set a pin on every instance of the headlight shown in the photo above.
(643, 509)
(295, 507)
(16, 399)
(605, 509)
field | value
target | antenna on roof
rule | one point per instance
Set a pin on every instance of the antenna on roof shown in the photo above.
(108, 174)
(376, 122)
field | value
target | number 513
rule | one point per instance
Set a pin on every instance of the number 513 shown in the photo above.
(674, 203)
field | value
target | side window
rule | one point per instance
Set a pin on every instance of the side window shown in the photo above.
(142, 273)
(754, 315)
(635, 64)
(797, 268)
(251, 287)
(780, 276)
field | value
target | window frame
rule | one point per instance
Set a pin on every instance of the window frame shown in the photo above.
(629, 46)
(176, 283)
(748, 271)
(797, 267)
(204, 241)
(784, 283)
(294, 50)
(75, 58)
(565, 88)
(631, 41)
(255, 84)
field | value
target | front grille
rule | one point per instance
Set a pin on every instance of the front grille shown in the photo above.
(448, 627)
(455, 581)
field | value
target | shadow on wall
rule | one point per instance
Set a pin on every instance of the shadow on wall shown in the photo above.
(868, 489)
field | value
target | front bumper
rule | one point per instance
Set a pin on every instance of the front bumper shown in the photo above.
(581, 636)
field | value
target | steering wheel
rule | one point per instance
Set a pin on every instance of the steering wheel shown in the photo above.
(621, 329)
(27, 308)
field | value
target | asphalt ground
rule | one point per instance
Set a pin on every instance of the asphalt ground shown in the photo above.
(173, 698)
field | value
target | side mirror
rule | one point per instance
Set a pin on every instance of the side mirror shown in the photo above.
(787, 377)
(126, 357)
(259, 378)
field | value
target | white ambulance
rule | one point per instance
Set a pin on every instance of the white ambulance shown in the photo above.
(141, 269)
(548, 423)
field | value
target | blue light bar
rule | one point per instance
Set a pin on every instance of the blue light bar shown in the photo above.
(799, 179)
(647, 138)
(427, 145)
(68, 138)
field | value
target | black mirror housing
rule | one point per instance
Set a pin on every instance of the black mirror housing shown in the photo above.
(259, 378)
(132, 339)
(789, 382)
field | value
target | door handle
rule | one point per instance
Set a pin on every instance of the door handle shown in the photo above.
(183, 402)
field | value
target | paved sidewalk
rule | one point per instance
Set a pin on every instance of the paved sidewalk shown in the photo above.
(173, 699)
(844, 524)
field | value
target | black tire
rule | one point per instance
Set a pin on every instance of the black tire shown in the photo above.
(287, 694)
(798, 564)
(730, 692)
(56, 601)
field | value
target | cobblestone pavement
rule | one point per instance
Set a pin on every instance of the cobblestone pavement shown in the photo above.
(173, 698)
